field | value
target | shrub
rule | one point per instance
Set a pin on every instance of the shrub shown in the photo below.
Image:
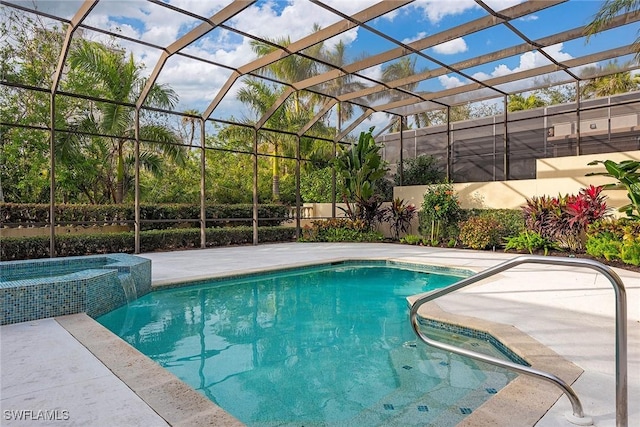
(399, 216)
(564, 219)
(511, 221)
(440, 213)
(411, 239)
(15, 248)
(340, 230)
(615, 239)
(529, 241)
(420, 170)
(480, 233)
(173, 214)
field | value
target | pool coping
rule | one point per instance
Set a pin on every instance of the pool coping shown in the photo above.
(180, 405)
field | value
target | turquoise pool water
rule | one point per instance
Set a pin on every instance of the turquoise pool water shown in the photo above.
(325, 346)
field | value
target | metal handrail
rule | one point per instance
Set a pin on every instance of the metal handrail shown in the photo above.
(621, 329)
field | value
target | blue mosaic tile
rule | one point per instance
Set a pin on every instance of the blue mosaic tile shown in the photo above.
(36, 289)
(480, 335)
(423, 408)
(491, 390)
(466, 411)
(407, 367)
(443, 363)
(388, 407)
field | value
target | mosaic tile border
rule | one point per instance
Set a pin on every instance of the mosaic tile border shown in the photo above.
(475, 333)
(91, 284)
(219, 280)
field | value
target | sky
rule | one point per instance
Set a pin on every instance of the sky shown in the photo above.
(198, 83)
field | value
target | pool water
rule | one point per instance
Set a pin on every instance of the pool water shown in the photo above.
(328, 346)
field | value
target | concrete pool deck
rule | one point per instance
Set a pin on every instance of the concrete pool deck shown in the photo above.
(48, 365)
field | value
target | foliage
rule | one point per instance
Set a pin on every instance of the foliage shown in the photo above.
(479, 233)
(315, 185)
(411, 239)
(15, 248)
(607, 12)
(511, 221)
(628, 175)
(361, 167)
(518, 102)
(440, 213)
(399, 216)
(421, 170)
(564, 219)
(218, 215)
(615, 239)
(529, 241)
(340, 230)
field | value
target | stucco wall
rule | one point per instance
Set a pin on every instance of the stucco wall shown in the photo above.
(559, 175)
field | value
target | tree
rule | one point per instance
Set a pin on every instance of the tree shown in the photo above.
(518, 102)
(609, 10)
(612, 83)
(118, 78)
(400, 69)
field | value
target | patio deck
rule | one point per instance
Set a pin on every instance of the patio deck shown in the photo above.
(71, 364)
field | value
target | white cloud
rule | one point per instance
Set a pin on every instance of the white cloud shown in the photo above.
(451, 47)
(528, 18)
(450, 82)
(419, 36)
(436, 10)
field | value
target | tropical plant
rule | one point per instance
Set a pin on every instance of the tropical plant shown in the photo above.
(361, 166)
(411, 239)
(440, 213)
(118, 78)
(615, 239)
(609, 10)
(421, 170)
(628, 175)
(564, 219)
(613, 83)
(399, 216)
(529, 241)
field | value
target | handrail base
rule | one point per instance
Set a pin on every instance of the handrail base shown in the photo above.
(579, 421)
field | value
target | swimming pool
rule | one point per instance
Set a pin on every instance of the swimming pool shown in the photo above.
(328, 345)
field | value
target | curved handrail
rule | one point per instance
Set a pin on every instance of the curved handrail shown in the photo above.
(621, 328)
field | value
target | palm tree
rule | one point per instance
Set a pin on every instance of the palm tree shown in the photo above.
(119, 79)
(611, 84)
(338, 57)
(609, 10)
(400, 69)
(190, 122)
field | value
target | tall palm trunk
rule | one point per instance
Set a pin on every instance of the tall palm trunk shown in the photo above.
(275, 183)
(120, 174)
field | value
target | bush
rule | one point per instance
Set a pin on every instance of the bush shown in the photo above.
(564, 219)
(480, 233)
(421, 170)
(511, 221)
(615, 240)
(15, 248)
(411, 239)
(340, 230)
(399, 216)
(529, 241)
(237, 214)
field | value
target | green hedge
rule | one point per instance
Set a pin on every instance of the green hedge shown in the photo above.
(31, 213)
(15, 248)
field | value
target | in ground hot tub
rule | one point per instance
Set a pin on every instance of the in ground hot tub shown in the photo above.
(95, 284)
